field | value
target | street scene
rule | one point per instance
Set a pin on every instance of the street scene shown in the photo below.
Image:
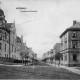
(38, 71)
(40, 39)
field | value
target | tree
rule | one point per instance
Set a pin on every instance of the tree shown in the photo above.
(22, 55)
(57, 57)
(26, 57)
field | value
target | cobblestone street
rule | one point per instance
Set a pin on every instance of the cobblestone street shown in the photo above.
(36, 72)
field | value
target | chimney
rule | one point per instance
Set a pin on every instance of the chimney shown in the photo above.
(74, 22)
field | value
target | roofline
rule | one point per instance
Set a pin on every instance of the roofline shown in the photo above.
(69, 29)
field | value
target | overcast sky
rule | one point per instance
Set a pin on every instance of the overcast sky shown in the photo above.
(41, 29)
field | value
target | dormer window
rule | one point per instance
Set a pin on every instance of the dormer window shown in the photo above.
(0, 22)
(0, 14)
(74, 34)
(0, 35)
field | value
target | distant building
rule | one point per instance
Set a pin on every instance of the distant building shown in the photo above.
(13, 46)
(56, 48)
(35, 56)
(70, 45)
(18, 44)
(50, 55)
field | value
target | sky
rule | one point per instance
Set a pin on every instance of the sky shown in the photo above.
(41, 29)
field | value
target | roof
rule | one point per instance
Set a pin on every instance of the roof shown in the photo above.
(1, 12)
(18, 39)
(57, 44)
(75, 27)
(8, 25)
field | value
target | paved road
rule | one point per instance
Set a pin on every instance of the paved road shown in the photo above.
(41, 64)
(37, 71)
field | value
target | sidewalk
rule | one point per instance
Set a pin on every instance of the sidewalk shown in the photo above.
(10, 65)
(72, 69)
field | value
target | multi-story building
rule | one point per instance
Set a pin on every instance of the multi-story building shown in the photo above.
(19, 44)
(47, 57)
(70, 45)
(56, 48)
(56, 51)
(35, 56)
(4, 37)
(50, 55)
(10, 44)
(13, 46)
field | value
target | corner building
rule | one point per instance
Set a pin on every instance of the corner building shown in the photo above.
(4, 37)
(70, 45)
(8, 43)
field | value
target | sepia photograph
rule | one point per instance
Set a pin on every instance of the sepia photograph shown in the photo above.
(40, 39)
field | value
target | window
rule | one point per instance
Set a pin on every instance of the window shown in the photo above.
(12, 56)
(61, 57)
(13, 39)
(12, 48)
(74, 57)
(52, 52)
(15, 50)
(65, 57)
(0, 14)
(74, 34)
(5, 35)
(74, 44)
(5, 47)
(61, 43)
(0, 22)
(0, 45)
(5, 55)
(65, 41)
(0, 36)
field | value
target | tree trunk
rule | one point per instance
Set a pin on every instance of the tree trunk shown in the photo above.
(22, 60)
(25, 61)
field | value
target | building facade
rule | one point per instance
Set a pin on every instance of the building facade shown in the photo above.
(10, 44)
(50, 55)
(4, 37)
(70, 45)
